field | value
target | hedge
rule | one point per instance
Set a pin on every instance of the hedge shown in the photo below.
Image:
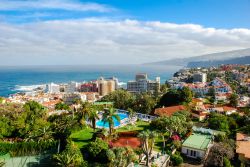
(26, 148)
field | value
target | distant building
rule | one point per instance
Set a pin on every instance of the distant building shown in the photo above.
(143, 84)
(106, 86)
(52, 88)
(219, 85)
(200, 77)
(89, 87)
(70, 98)
(71, 87)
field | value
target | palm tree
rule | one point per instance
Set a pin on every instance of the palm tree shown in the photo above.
(64, 160)
(132, 113)
(109, 116)
(93, 116)
(148, 140)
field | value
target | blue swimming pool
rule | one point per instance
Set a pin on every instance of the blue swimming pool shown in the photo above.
(100, 123)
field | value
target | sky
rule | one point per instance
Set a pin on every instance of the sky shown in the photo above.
(70, 32)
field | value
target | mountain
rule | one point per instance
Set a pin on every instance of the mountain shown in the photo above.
(209, 63)
(221, 56)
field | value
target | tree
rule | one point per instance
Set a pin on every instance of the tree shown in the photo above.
(131, 112)
(218, 122)
(109, 116)
(148, 140)
(218, 152)
(160, 125)
(185, 95)
(121, 156)
(122, 99)
(70, 157)
(144, 103)
(96, 147)
(93, 116)
(176, 97)
(62, 106)
(170, 98)
(233, 100)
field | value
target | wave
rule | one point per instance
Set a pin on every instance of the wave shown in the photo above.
(28, 88)
(122, 83)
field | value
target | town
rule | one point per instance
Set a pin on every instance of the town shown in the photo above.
(199, 117)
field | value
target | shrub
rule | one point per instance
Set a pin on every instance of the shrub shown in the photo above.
(176, 159)
(226, 162)
(26, 148)
(71, 156)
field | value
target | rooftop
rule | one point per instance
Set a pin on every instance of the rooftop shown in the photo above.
(168, 111)
(243, 144)
(198, 141)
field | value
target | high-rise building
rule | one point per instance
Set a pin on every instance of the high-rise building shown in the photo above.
(106, 86)
(71, 87)
(143, 84)
(200, 77)
(52, 88)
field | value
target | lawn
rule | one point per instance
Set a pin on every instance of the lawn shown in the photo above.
(139, 126)
(82, 137)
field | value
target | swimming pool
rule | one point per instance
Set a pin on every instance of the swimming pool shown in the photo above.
(100, 123)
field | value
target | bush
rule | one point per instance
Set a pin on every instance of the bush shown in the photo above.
(97, 150)
(71, 156)
(226, 162)
(176, 159)
(26, 148)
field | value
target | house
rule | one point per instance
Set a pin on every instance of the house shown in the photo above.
(169, 111)
(200, 115)
(197, 145)
(229, 110)
(243, 147)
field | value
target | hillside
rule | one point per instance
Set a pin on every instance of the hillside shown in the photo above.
(239, 60)
(221, 56)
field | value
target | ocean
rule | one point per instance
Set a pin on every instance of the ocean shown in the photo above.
(24, 78)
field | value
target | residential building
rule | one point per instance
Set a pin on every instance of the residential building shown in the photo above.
(169, 111)
(106, 86)
(89, 87)
(52, 88)
(219, 85)
(197, 145)
(71, 87)
(243, 148)
(200, 77)
(143, 84)
(69, 98)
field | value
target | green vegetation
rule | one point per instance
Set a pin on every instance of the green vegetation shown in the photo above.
(148, 141)
(108, 117)
(176, 97)
(82, 137)
(176, 159)
(62, 106)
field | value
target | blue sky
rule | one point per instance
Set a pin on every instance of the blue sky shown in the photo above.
(119, 31)
(211, 13)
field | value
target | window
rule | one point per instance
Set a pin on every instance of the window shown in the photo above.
(193, 153)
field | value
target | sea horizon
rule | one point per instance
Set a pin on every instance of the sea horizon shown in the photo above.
(23, 78)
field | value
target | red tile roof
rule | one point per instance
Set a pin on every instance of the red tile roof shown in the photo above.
(168, 111)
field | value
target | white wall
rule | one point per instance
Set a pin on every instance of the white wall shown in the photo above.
(199, 153)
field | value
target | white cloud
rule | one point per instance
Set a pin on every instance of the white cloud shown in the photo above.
(103, 41)
(20, 5)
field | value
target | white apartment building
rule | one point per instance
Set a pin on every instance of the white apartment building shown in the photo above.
(52, 88)
(143, 84)
(200, 77)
